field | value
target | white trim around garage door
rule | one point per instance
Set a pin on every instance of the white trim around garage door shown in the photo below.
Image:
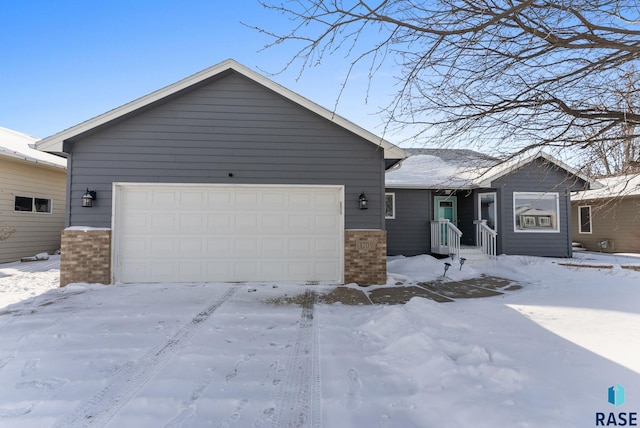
(174, 232)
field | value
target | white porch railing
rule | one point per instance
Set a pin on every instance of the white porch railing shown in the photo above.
(485, 237)
(445, 237)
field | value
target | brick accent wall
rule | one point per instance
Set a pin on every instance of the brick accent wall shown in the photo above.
(365, 256)
(85, 256)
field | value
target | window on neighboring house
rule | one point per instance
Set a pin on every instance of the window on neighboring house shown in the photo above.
(390, 205)
(33, 205)
(536, 212)
(584, 219)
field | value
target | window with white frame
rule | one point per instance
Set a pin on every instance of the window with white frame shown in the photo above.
(584, 219)
(390, 205)
(536, 212)
(32, 205)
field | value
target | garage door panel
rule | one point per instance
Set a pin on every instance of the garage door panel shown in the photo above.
(326, 223)
(218, 222)
(192, 222)
(273, 223)
(134, 223)
(164, 247)
(246, 223)
(272, 246)
(247, 247)
(192, 247)
(299, 200)
(219, 247)
(300, 222)
(220, 199)
(164, 198)
(274, 200)
(246, 200)
(228, 233)
(193, 198)
(165, 222)
(135, 246)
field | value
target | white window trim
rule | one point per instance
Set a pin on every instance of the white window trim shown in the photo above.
(536, 194)
(495, 207)
(393, 206)
(580, 220)
(33, 205)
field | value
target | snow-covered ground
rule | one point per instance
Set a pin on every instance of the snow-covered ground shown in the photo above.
(221, 355)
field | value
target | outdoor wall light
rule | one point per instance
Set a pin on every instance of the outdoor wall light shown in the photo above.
(363, 203)
(88, 198)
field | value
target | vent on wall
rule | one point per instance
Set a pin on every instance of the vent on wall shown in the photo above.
(605, 244)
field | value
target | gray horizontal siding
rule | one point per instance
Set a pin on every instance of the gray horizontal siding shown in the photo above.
(408, 234)
(537, 176)
(230, 125)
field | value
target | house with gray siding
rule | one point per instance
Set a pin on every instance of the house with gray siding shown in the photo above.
(460, 202)
(223, 176)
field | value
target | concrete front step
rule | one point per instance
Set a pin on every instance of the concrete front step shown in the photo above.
(472, 254)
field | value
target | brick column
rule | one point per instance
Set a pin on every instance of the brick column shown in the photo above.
(85, 256)
(365, 256)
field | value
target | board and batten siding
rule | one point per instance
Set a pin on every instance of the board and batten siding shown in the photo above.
(34, 232)
(537, 176)
(227, 130)
(615, 220)
(409, 233)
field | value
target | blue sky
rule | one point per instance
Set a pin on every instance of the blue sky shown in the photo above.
(65, 61)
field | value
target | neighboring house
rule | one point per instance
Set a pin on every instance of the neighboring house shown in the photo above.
(223, 176)
(438, 200)
(608, 219)
(32, 197)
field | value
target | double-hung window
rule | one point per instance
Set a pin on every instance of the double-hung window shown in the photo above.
(584, 219)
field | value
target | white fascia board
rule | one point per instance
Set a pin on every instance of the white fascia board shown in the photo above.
(55, 142)
(427, 187)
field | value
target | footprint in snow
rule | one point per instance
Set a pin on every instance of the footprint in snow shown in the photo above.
(30, 366)
(12, 413)
(6, 360)
(354, 388)
(51, 383)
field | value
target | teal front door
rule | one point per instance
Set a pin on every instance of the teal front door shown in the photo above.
(446, 207)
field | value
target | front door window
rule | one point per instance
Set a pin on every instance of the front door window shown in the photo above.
(446, 208)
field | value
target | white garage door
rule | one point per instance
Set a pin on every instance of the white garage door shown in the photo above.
(209, 233)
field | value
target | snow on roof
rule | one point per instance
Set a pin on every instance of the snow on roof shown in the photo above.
(439, 169)
(461, 169)
(619, 186)
(17, 145)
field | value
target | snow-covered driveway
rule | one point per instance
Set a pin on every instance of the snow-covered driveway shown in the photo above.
(224, 355)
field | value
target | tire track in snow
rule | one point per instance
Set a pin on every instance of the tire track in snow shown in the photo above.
(298, 400)
(133, 376)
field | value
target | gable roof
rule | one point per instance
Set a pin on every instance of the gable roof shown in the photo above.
(612, 187)
(511, 165)
(55, 142)
(17, 145)
(461, 169)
